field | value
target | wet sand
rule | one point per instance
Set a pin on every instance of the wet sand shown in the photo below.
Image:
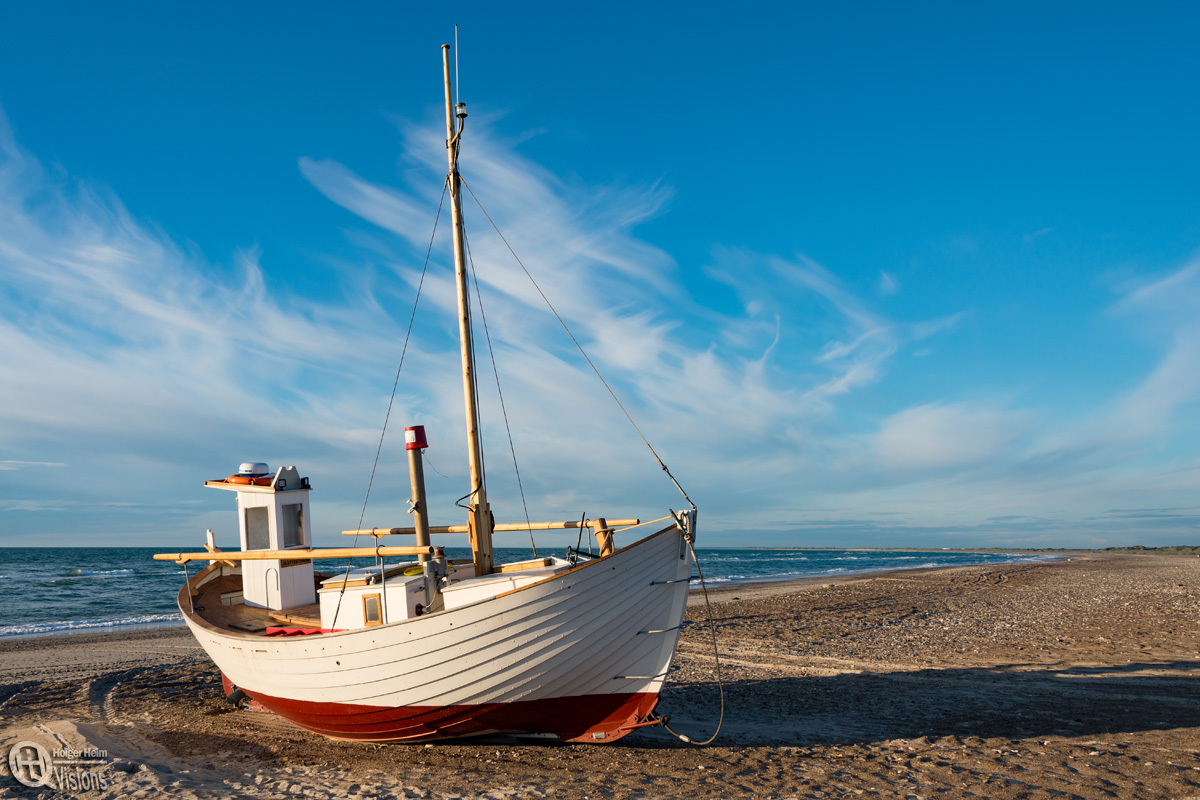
(1068, 679)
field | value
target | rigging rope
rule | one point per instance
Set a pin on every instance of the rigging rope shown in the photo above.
(496, 373)
(582, 352)
(431, 466)
(392, 399)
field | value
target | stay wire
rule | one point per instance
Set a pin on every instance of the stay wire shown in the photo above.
(582, 352)
(392, 399)
(496, 373)
(425, 458)
(482, 485)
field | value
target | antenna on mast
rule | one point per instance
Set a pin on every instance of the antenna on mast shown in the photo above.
(457, 84)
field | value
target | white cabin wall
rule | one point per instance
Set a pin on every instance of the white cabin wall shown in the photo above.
(399, 602)
(271, 584)
(299, 588)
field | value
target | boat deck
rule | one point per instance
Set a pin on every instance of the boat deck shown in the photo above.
(218, 601)
(249, 619)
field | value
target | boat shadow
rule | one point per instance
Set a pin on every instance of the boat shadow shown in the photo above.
(1013, 701)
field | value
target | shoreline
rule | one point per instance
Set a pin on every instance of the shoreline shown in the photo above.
(87, 630)
(751, 587)
(721, 593)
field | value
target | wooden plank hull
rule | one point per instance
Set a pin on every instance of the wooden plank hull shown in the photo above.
(587, 718)
(581, 656)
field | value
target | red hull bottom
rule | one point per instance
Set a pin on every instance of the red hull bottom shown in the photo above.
(588, 718)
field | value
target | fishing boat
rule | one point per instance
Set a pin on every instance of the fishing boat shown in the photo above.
(572, 648)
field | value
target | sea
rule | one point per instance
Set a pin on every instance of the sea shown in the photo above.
(50, 591)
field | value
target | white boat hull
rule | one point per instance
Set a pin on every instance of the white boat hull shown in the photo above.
(580, 656)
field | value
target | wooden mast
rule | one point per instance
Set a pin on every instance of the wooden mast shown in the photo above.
(480, 519)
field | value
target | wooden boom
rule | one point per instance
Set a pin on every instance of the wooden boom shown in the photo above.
(503, 526)
(297, 554)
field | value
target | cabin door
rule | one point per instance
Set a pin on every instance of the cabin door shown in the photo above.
(274, 592)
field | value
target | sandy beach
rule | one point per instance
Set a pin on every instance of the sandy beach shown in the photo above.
(1074, 679)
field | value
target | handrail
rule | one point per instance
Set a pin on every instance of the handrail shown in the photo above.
(303, 554)
(633, 523)
(503, 526)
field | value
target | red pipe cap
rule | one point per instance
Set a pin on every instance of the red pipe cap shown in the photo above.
(414, 438)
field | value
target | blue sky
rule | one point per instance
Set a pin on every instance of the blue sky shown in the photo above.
(865, 274)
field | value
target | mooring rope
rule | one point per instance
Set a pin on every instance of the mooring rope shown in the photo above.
(716, 660)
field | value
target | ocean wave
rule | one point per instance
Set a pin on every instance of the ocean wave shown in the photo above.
(87, 625)
(776, 576)
(96, 573)
(73, 574)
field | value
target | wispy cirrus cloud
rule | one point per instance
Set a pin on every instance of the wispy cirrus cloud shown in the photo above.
(888, 284)
(128, 357)
(938, 436)
(131, 348)
(992, 465)
(1168, 308)
(14, 465)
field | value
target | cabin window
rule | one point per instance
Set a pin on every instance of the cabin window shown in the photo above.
(258, 529)
(292, 521)
(372, 614)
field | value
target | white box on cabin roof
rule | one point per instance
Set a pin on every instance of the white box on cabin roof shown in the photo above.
(375, 603)
(275, 517)
(366, 596)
